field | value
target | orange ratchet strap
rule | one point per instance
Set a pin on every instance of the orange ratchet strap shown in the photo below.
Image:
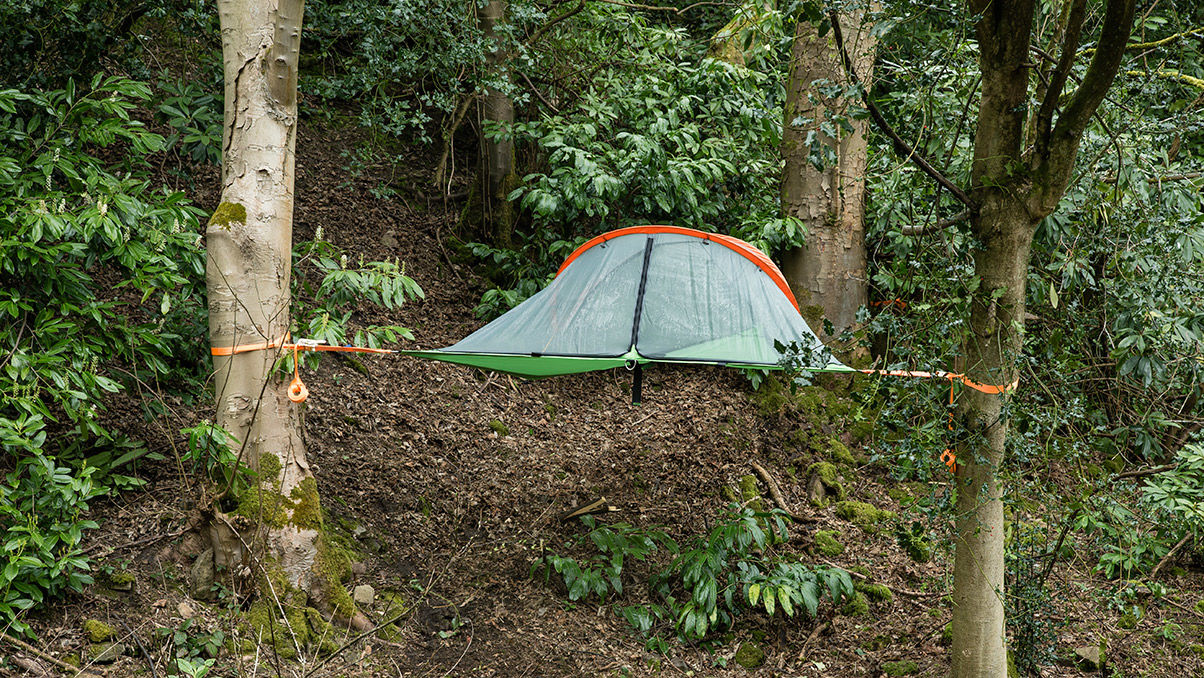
(948, 457)
(297, 392)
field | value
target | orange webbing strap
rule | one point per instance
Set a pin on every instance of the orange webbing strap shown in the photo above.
(297, 392)
(948, 457)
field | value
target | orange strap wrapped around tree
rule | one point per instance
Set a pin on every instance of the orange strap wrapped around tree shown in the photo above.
(948, 457)
(297, 392)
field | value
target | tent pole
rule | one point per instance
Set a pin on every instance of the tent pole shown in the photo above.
(637, 384)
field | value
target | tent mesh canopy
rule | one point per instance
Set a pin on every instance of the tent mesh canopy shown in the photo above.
(647, 294)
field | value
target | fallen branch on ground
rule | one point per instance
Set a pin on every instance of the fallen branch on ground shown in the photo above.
(902, 592)
(776, 495)
(73, 670)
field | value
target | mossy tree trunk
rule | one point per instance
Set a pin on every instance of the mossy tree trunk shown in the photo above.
(827, 274)
(497, 176)
(1022, 165)
(277, 526)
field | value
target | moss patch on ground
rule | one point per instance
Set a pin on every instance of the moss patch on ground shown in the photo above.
(866, 516)
(98, 631)
(876, 592)
(903, 667)
(827, 544)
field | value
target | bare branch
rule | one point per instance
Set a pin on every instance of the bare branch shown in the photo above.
(547, 26)
(940, 225)
(901, 147)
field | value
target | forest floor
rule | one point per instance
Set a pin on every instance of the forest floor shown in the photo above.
(451, 481)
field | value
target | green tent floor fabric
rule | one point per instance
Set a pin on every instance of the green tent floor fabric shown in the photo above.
(645, 295)
(539, 367)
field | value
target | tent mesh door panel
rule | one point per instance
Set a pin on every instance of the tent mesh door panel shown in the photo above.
(704, 301)
(586, 311)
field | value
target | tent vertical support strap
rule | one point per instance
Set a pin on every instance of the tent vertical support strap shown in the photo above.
(639, 299)
(637, 384)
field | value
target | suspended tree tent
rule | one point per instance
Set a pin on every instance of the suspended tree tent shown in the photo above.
(648, 294)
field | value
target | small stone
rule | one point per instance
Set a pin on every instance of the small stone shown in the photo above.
(105, 653)
(201, 576)
(120, 581)
(750, 655)
(185, 610)
(364, 595)
(1089, 657)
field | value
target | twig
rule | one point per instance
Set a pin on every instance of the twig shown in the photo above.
(552, 22)
(814, 634)
(538, 93)
(149, 661)
(1141, 473)
(73, 670)
(136, 542)
(901, 146)
(1170, 554)
(776, 495)
(938, 226)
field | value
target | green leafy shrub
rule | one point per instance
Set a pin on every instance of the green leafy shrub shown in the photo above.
(709, 583)
(100, 283)
(195, 116)
(42, 507)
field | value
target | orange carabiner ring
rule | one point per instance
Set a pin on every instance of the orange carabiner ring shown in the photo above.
(950, 460)
(297, 392)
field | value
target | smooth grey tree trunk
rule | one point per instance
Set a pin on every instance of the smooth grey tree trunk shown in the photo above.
(249, 243)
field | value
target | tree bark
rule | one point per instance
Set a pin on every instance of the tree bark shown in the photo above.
(277, 524)
(827, 274)
(497, 154)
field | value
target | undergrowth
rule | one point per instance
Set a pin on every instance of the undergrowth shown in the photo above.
(709, 582)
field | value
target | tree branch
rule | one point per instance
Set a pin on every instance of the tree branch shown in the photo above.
(1118, 24)
(1057, 82)
(901, 146)
(940, 225)
(1155, 44)
(539, 32)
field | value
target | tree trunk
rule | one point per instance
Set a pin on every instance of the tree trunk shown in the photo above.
(274, 534)
(497, 154)
(827, 274)
(1015, 183)
(994, 343)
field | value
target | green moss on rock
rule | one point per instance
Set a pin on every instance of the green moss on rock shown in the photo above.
(98, 631)
(857, 606)
(839, 452)
(827, 544)
(228, 213)
(863, 515)
(750, 494)
(903, 667)
(750, 655)
(829, 476)
(875, 592)
(860, 430)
